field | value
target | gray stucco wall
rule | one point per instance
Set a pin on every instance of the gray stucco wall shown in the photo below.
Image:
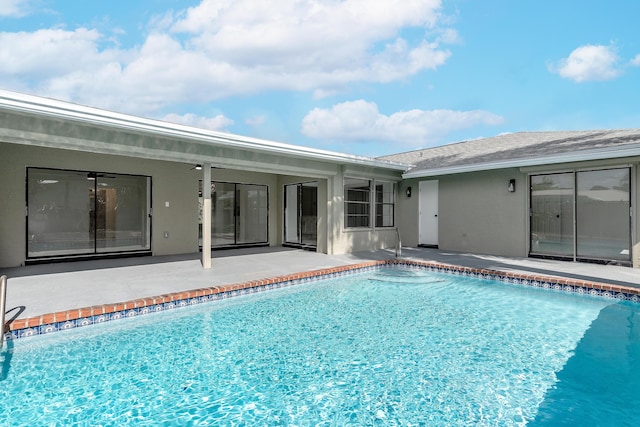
(407, 209)
(476, 213)
(347, 240)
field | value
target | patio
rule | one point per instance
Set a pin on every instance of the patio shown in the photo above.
(49, 288)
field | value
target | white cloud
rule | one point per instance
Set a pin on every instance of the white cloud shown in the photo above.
(308, 45)
(224, 48)
(256, 120)
(14, 8)
(449, 36)
(361, 121)
(589, 63)
(219, 122)
(49, 53)
(635, 61)
(63, 64)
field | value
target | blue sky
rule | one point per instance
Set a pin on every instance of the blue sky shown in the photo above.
(366, 77)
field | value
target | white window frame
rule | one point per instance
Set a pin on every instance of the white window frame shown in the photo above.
(371, 203)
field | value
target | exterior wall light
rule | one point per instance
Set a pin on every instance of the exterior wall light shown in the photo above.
(198, 167)
(511, 188)
(408, 191)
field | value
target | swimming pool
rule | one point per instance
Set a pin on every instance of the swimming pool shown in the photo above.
(393, 346)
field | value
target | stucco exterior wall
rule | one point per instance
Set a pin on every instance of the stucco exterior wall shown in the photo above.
(12, 207)
(407, 212)
(476, 213)
(347, 240)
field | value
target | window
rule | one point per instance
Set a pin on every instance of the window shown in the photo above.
(357, 202)
(358, 199)
(384, 204)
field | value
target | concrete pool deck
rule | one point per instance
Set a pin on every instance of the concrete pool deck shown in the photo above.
(39, 290)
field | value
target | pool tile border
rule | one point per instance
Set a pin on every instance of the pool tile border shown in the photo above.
(74, 318)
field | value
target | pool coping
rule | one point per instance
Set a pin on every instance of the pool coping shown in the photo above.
(85, 316)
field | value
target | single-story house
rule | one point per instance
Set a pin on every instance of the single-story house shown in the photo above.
(566, 194)
(80, 182)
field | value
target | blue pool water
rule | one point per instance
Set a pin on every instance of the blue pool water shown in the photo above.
(385, 348)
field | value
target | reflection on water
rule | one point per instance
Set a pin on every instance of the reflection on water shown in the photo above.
(5, 358)
(606, 363)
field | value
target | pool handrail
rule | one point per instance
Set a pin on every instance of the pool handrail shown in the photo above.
(3, 306)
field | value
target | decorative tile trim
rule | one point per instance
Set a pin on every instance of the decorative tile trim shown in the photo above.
(605, 290)
(53, 322)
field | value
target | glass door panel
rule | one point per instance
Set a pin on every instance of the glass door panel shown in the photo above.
(239, 214)
(251, 214)
(60, 215)
(301, 214)
(122, 220)
(291, 214)
(603, 220)
(552, 214)
(223, 214)
(309, 214)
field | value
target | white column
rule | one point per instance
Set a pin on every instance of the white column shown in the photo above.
(206, 215)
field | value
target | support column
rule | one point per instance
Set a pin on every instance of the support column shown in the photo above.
(335, 214)
(206, 215)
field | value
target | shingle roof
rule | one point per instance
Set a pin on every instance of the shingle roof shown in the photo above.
(516, 149)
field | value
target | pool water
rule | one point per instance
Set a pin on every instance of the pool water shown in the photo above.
(392, 347)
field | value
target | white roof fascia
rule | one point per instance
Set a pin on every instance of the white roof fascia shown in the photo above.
(630, 150)
(64, 110)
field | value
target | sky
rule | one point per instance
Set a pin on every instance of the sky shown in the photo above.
(364, 77)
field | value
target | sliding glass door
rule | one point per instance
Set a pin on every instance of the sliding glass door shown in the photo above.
(239, 214)
(74, 213)
(582, 214)
(552, 214)
(603, 214)
(301, 214)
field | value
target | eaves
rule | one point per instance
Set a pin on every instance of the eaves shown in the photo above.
(613, 152)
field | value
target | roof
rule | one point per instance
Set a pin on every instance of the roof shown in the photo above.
(520, 149)
(194, 142)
